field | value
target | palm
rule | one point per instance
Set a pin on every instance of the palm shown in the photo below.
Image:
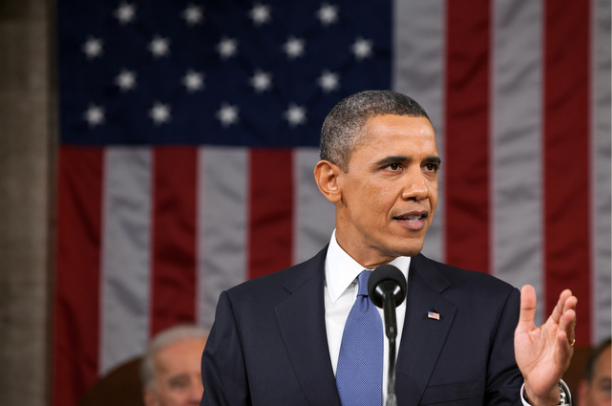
(543, 353)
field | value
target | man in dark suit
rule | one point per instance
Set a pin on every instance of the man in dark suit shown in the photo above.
(465, 337)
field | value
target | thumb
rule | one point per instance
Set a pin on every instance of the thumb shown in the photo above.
(528, 309)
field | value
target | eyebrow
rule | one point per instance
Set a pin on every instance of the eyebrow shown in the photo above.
(401, 158)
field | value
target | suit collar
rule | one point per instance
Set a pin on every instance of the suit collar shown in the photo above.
(301, 319)
(341, 270)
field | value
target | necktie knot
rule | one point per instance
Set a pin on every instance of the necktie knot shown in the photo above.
(363, 278)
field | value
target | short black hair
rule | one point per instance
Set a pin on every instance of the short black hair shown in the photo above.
(343, 125)
(593, 357)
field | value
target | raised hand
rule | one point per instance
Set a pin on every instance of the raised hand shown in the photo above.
(544, 353)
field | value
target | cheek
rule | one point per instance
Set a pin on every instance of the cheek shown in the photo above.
(380, 207)
(371, 200)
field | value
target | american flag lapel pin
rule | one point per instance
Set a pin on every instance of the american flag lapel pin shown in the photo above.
(433, 315)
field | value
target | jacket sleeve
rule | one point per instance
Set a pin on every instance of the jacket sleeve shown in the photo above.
(223, 370)
(504, 379)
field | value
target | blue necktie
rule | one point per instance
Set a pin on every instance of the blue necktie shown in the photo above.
(360, 364)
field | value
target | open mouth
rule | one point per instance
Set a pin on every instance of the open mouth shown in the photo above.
(413, 220)
(412, 217)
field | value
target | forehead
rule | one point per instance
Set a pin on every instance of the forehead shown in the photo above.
(400, 132)
(180, 354)
(603, 363)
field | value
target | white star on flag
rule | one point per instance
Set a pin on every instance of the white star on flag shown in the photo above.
(261, 81)
(294, 47)
(126, 80)
(160, 113)
(227, 47)
(92, 48)
(328, 81)
(193, 81)
(362, 48)
(227, 114)
(327, 14)
(260, 14)
(94, 115)
(193, 14)
(125, 13)
(159, 46)
(295, 115)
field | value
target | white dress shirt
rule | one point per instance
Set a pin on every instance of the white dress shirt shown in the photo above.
(341, 289)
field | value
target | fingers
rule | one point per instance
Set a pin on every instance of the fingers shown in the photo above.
(570, 303)
(564, 338)
(563, 315)
(563, 304)
(528, 308)
(567, 321)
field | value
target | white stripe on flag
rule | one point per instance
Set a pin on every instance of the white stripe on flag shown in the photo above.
(418, 71)
(314, 216)
(600, 172)
(125, 256)
(516, 144)
(222, 225)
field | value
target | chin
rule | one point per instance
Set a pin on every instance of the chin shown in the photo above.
(410, 250)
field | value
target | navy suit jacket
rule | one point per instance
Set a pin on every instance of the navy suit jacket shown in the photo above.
(268, 344)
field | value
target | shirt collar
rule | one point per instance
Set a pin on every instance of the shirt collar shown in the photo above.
(341, 270)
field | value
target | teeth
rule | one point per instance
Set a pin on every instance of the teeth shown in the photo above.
(414, 218)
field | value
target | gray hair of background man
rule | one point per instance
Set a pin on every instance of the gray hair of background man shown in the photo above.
(593, 357)
(161, 340)
(344, 124)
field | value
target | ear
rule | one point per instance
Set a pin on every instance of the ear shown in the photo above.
(326, 175)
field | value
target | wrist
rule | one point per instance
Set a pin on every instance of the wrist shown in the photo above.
(550, 399)
(558, 395)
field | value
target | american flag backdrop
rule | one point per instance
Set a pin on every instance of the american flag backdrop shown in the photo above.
(189, 134)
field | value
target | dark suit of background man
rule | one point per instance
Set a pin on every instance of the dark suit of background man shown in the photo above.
(275, 339)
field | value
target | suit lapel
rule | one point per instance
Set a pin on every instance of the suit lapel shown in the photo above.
(301, 319)
(422, 337)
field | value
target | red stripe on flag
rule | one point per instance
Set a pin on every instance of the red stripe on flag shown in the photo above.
(174, 237)
(567, 163)
(271, 211)
(76, 303)
(467, 143)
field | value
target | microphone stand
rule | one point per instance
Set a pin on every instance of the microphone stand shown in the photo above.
(387, 290)
(391, 333)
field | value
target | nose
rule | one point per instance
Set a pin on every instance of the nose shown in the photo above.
(195, 392)
(415, 187)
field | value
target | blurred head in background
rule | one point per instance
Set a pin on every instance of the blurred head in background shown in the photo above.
(595, 387)
(170, 369)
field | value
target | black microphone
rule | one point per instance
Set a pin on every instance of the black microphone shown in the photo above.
(387, 290)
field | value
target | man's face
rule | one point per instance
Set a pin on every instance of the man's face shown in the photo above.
(597, 392)
(178, 380)
(390, 192)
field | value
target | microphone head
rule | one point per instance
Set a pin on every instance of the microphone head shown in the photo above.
(386, 279)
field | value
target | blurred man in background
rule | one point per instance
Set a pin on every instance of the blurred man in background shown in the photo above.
(171, 367)
(595, 388)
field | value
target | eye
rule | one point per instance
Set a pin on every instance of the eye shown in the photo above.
(179, 382)
(431, 167)
(394, 167)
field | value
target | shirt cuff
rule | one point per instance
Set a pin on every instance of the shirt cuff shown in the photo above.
(562, 383)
